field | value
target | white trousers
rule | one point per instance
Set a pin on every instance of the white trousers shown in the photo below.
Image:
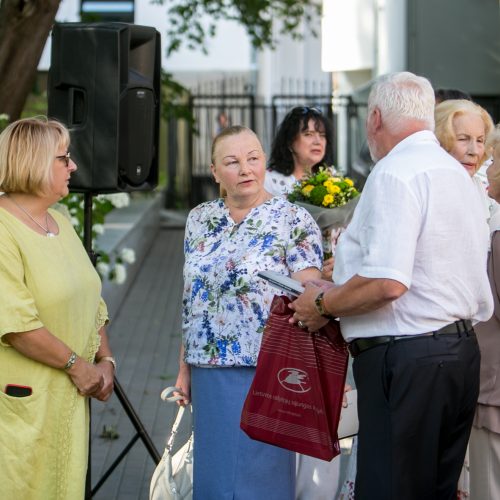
(484, 455)
(316, 479)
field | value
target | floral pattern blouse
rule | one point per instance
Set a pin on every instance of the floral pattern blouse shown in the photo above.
(279, 184)
(225, 303)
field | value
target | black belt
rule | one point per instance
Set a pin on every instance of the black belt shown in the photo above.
(460, 327)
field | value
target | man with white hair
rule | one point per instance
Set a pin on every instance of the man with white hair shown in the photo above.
(410, 279)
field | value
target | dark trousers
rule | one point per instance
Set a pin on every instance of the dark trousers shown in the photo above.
(416, 403)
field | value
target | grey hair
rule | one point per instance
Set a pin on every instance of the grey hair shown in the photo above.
(401, 97)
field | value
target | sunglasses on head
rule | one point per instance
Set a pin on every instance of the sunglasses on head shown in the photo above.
(304, 110)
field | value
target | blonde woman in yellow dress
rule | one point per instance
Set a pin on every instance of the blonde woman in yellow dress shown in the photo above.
(54, 352)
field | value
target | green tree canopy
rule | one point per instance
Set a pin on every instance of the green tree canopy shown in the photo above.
(25, 26)
(257, 16)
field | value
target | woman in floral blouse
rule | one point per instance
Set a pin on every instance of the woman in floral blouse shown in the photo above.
(225, 308)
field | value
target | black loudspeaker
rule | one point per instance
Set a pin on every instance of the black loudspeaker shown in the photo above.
(104, 85)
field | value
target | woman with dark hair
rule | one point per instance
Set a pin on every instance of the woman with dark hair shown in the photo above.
(450, 94)
(302, 144)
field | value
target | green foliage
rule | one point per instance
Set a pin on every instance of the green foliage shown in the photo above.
(175, 100)
(257, 16)
(36, 104)
(4, 121)
(101, 206)
(317, 194)
(109, 266)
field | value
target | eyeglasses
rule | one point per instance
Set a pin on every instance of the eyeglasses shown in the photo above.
(303, 110)
(65, 158)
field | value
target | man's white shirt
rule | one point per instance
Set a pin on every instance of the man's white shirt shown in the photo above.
(420, 222)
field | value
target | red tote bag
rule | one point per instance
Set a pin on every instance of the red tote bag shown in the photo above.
(295, 399)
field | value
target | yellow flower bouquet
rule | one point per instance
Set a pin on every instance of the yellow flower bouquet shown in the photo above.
(330, 198)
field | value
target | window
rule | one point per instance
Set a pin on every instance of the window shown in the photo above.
(109, 10)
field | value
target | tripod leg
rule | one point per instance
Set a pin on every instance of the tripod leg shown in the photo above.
(129, 410)
(140, 433)
(88, 481)
(113, 466)
(134, 418)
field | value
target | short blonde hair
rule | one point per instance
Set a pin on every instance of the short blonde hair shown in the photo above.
(27, 152)
(446, 112)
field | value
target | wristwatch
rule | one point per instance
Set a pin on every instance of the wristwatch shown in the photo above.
(320, 306)
(108, 358)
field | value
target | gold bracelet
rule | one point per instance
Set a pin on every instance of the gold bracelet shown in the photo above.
(110, 359)
(71, 361)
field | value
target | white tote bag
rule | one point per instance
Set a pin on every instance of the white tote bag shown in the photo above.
(349, 423)
(173, 476)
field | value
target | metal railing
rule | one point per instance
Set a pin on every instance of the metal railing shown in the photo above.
(189, 149)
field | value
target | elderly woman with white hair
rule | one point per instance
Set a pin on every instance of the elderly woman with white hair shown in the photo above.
(462, 128)
(484, 444)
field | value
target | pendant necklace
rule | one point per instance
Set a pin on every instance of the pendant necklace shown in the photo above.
(48, 232)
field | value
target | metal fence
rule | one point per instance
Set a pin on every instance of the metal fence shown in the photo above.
(189, 151)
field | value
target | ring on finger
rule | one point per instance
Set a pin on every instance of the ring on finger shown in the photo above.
(301, 324)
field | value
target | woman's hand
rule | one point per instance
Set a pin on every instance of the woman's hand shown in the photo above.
(105, 367)
(327, 272)
(87, 378)
(347, 388)
(107, 370)
(183, 382)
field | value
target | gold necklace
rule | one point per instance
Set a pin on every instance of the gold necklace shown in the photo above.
(48, 232)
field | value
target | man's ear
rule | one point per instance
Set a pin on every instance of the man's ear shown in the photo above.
(373, 121)
(377, 119)
(212, 168)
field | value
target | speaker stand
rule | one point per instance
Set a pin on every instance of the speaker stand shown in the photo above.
(118, 390)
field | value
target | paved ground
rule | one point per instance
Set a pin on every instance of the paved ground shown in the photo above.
(145, 338)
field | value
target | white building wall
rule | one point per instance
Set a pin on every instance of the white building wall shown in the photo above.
(294, 67)
(230, 51)
(391, 36)
(348, 35)
(361, 39)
